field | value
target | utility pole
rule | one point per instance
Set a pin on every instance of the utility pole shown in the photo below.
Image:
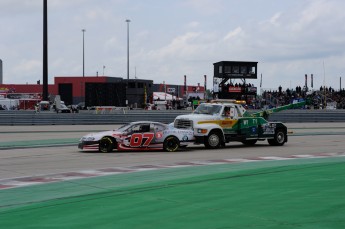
(128, 21)
(45, 51)
(83, 30)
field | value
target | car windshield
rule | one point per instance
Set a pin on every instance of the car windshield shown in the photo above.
(209, 109)
(123, 128)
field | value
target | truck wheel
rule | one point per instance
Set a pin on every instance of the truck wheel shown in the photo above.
(171, 144)
(249, 142)
(279, 138)
(213, 140)
(106, 144)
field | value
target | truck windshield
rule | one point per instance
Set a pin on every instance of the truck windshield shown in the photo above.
(209, 109)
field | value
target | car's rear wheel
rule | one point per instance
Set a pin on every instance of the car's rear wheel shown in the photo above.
(171, 144)
(213, 140)
(249, 142)
(279, 138)
(106, 144)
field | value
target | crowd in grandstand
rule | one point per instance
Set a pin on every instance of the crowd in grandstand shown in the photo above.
(323, 98)
(318, 99)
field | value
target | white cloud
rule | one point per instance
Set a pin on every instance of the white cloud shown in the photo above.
(181, 47)
(233, 33)
(111, 43)
(29, 65)
(319, 13)
(275, 19)
(206, 7)
(193, 24)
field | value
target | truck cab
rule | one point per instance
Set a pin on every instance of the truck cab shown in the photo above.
(223, 121)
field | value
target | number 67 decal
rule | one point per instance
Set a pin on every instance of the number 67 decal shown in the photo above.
(137, 140)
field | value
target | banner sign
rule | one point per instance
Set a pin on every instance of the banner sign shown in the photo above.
(235, 89)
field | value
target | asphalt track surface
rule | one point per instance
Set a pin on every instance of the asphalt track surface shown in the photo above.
(45, 182)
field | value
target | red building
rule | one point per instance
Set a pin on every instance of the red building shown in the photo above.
(100, 91)
(70, 88)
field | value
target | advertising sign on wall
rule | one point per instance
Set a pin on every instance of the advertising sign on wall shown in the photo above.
(235, 89)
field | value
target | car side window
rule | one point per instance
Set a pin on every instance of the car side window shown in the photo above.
(144, 128)
(133, 129)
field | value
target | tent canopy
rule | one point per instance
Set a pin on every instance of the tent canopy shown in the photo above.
(164, 96)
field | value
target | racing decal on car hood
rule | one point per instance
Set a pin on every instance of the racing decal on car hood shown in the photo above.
(99, 135)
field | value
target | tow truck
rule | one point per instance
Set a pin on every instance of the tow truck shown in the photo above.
(222, 121)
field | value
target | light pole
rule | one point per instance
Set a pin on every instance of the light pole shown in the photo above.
(45, 50)
(83, 30)
(128, 21)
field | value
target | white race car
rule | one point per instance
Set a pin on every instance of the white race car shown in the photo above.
(138, 136)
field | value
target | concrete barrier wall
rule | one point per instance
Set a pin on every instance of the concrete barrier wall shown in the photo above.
(90, 118)
(85, 118)
(309, 116)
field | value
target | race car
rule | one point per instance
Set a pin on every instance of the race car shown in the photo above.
(138, 136)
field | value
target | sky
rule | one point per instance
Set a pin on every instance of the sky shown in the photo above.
(172, 38)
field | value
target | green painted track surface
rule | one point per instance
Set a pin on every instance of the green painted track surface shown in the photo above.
(38, 143)
(299, 193)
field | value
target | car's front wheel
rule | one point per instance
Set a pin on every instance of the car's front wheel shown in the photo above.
(106, 144)
(171, 144)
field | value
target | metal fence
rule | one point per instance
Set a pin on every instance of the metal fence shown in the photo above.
(91, 118)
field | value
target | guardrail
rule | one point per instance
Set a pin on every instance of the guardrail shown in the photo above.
(110, 109)
(15, 118)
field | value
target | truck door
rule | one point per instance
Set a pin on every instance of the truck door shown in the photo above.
(228, 119)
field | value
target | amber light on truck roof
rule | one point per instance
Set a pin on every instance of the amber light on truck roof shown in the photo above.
(228, 101)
